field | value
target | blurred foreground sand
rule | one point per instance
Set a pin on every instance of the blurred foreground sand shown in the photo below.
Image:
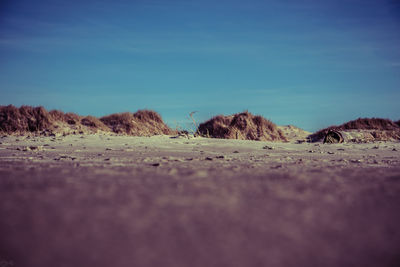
(101, 200)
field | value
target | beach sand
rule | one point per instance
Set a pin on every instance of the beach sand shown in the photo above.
(105, 200)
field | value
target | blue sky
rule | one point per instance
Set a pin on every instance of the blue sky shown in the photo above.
(310, 63)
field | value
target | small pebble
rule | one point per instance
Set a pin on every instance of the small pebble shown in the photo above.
(276, 167)
(35, 147)
(268, 147)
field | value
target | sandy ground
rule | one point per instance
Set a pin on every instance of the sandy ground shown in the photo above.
(99, 200)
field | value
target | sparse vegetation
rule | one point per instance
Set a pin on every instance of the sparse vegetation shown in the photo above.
(245, 126)
(118, 123)
(381, 129)
(143, 122)
(94, 122)
(38, 120)
(194, 122)
(23, 119)
(148, 115)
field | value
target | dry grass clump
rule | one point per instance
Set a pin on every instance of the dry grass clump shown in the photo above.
(38, 120)
(69, 118)
(72, 118)
(147, 116)
(57, 115)
(10, 119)
(120, 123)
(245, 126)
(143, 122)
(94, 122)
(381, 129)
(370, 124)
(23, 119)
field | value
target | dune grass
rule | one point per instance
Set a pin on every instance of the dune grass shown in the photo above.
(383, 128)
(140, 123)
(37, 120)
(245, 126)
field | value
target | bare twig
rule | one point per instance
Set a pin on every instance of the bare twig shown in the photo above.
(194, 121)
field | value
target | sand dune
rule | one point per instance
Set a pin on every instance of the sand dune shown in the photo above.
(363, 130)
(38, 121)
(243, 126)
(293, 133)
(28, 120)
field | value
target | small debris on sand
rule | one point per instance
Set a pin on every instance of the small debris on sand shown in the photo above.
(269, 147)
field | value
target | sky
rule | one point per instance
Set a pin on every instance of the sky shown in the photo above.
(310, 63)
